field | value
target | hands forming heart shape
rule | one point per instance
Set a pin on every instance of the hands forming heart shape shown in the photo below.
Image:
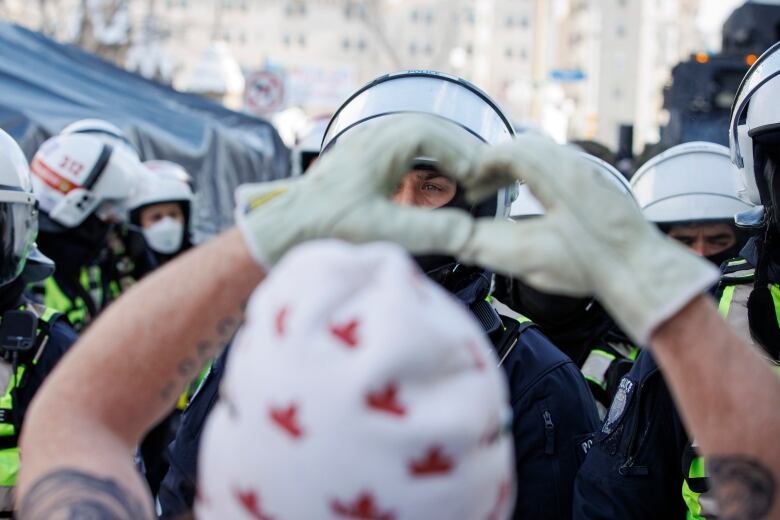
(592, 239)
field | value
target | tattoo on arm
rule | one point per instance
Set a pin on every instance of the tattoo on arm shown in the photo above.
(743, 486)
(70, 494)
(188, 367)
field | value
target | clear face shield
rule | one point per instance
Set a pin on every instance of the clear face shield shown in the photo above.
(18, 229)
(448, 97)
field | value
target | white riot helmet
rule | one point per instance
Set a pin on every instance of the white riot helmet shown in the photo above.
(754, 133)
(428, 92)
(307, 149)
(690, 182)
(18, 212)
(102, 129)
(164, 181)
(526, 205)
(75, 175)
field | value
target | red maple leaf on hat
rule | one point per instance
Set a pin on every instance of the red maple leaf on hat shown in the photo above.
(501, 500)
(386, 400)
(434, 462)
(346, 333)
(251, 504)
(280, 321)
(363, 508)
(474, 349)
(287, 419)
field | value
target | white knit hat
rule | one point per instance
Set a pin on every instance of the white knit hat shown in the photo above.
(357, 389)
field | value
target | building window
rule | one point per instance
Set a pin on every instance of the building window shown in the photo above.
(302, 40)
(242, 38)
(414, 15)
(508, 53)
(620, 31)
(469, 49)
(361, 44)
(345, 44)
(524, 22)
(523, 54)
(428, 49)
(429, 17)
(286, 39)
(509, 22)
(412, 48)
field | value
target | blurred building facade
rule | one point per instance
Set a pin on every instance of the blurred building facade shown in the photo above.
(576, 68)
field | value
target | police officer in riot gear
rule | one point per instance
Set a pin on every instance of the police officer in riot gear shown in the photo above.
(690, 192)
(82, 182)
(553, 409)
(580, 327)
(643, 463)
(33, 338)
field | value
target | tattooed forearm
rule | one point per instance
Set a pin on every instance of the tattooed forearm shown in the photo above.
(744, 487)
(190, 365)
(71, 494)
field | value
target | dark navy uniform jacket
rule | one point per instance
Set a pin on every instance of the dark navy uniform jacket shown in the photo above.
(554, 416)
(634, 468)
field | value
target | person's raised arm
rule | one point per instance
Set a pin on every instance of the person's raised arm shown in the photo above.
(128, 368)
(728, 396)
(593, 241)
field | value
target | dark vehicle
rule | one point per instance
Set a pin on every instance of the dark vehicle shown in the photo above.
(699, 97)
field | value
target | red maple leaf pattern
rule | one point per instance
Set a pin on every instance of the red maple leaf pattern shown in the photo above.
(501, 500)
(474, 349)
(386, 400)
(434, 462)
(346, 333)
(251, 504)
(287, 419)
(363, 508)
(280, 321)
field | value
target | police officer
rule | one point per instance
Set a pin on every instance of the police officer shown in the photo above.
(690, 192)
(643, 463)
(82, 182)
(32, 337)
(553, 409)
(160, 216)
(578, 326)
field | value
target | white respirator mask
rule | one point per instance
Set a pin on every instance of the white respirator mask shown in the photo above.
(165, 236)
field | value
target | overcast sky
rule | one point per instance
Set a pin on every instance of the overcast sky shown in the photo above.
(712, 14)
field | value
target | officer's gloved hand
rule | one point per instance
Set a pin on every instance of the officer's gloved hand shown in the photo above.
(592, 240)
(346, 193)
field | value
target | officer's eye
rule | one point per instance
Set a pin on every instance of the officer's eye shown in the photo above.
(686, 240)
(431, 187)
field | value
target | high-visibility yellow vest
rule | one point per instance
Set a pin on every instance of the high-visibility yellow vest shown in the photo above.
(9, 449)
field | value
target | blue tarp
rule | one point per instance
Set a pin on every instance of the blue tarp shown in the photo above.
(45, 85)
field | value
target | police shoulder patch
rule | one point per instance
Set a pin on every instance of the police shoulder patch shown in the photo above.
(619, 404)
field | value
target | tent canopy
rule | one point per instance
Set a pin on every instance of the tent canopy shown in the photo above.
(46, 85)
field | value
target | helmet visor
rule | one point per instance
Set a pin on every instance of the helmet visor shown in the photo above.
(423, 92)
(18, 228)
(766, 68)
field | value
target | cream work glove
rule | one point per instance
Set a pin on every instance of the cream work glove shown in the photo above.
(592, 240)
(347, 193)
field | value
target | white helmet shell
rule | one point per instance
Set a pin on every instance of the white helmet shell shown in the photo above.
(107, 132)
(74, 174)
(163, 181)
(526, 205)
(690, 182)
(754, 112)
(18, 213)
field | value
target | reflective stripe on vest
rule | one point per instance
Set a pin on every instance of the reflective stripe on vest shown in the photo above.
(596, 365)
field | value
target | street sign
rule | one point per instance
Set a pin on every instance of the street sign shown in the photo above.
(567, 76)
(264, 92)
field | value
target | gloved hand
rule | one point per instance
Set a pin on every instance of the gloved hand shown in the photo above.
(346, 194)
(592, 240)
